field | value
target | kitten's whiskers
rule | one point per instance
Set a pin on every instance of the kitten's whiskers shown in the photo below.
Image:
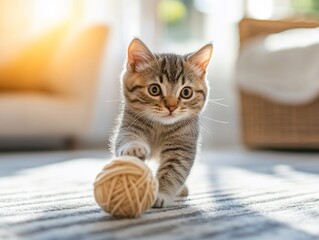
(137, 117)
(112, 101)
(216, 99)
(201, 124)
(205, 128)
(214, 120)
(217, 103)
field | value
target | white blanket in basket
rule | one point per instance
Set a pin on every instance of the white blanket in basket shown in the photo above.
(283, 67)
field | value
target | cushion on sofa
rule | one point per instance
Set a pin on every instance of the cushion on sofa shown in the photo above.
(27, 70)
(78, 58)
(59, 61)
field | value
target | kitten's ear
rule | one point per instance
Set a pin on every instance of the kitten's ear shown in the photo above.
(201, 58)
(138, 55)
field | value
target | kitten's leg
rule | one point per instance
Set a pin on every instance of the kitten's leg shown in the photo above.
(176, 163)
(134, 148)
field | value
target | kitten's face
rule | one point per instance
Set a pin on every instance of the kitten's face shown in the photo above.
(165, 87)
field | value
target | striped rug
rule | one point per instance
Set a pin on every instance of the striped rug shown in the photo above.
(234, 195)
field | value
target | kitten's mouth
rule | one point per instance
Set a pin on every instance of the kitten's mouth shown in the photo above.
(171, 115)
(169, 118)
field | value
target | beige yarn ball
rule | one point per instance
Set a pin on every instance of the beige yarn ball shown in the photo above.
(125, 187)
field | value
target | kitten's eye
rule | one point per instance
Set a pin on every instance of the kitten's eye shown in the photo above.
(187, 92)
(154, 89)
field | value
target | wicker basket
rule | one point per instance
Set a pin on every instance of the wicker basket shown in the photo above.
(267, 124)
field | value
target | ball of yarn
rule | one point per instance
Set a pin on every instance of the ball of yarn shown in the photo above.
(125, 187)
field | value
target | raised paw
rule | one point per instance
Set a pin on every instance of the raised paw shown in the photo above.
(162, 200)
(183, 192)
(137, 149)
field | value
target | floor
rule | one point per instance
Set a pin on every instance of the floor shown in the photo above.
(234, 194)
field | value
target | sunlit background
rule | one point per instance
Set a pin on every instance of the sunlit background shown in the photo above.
(60, 66)
(60, 63)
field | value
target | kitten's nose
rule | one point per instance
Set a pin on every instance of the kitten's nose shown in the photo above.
(171, 104)
(171, 109)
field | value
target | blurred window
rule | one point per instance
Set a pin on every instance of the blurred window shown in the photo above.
(275, 9)
(180, 20)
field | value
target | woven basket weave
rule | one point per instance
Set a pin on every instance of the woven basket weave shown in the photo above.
(267, 124)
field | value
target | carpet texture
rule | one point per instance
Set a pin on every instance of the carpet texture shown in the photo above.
(233, 195)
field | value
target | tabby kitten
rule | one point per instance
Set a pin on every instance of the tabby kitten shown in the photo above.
(163, 97)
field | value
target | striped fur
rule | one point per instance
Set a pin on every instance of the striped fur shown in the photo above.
(163, 127)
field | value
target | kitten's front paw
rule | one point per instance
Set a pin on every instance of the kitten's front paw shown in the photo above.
(183, 192)
(162, 200)
(137, 149)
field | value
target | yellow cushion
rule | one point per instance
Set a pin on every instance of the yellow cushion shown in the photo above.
(27, 70)
(65, 60)
(75, 65)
